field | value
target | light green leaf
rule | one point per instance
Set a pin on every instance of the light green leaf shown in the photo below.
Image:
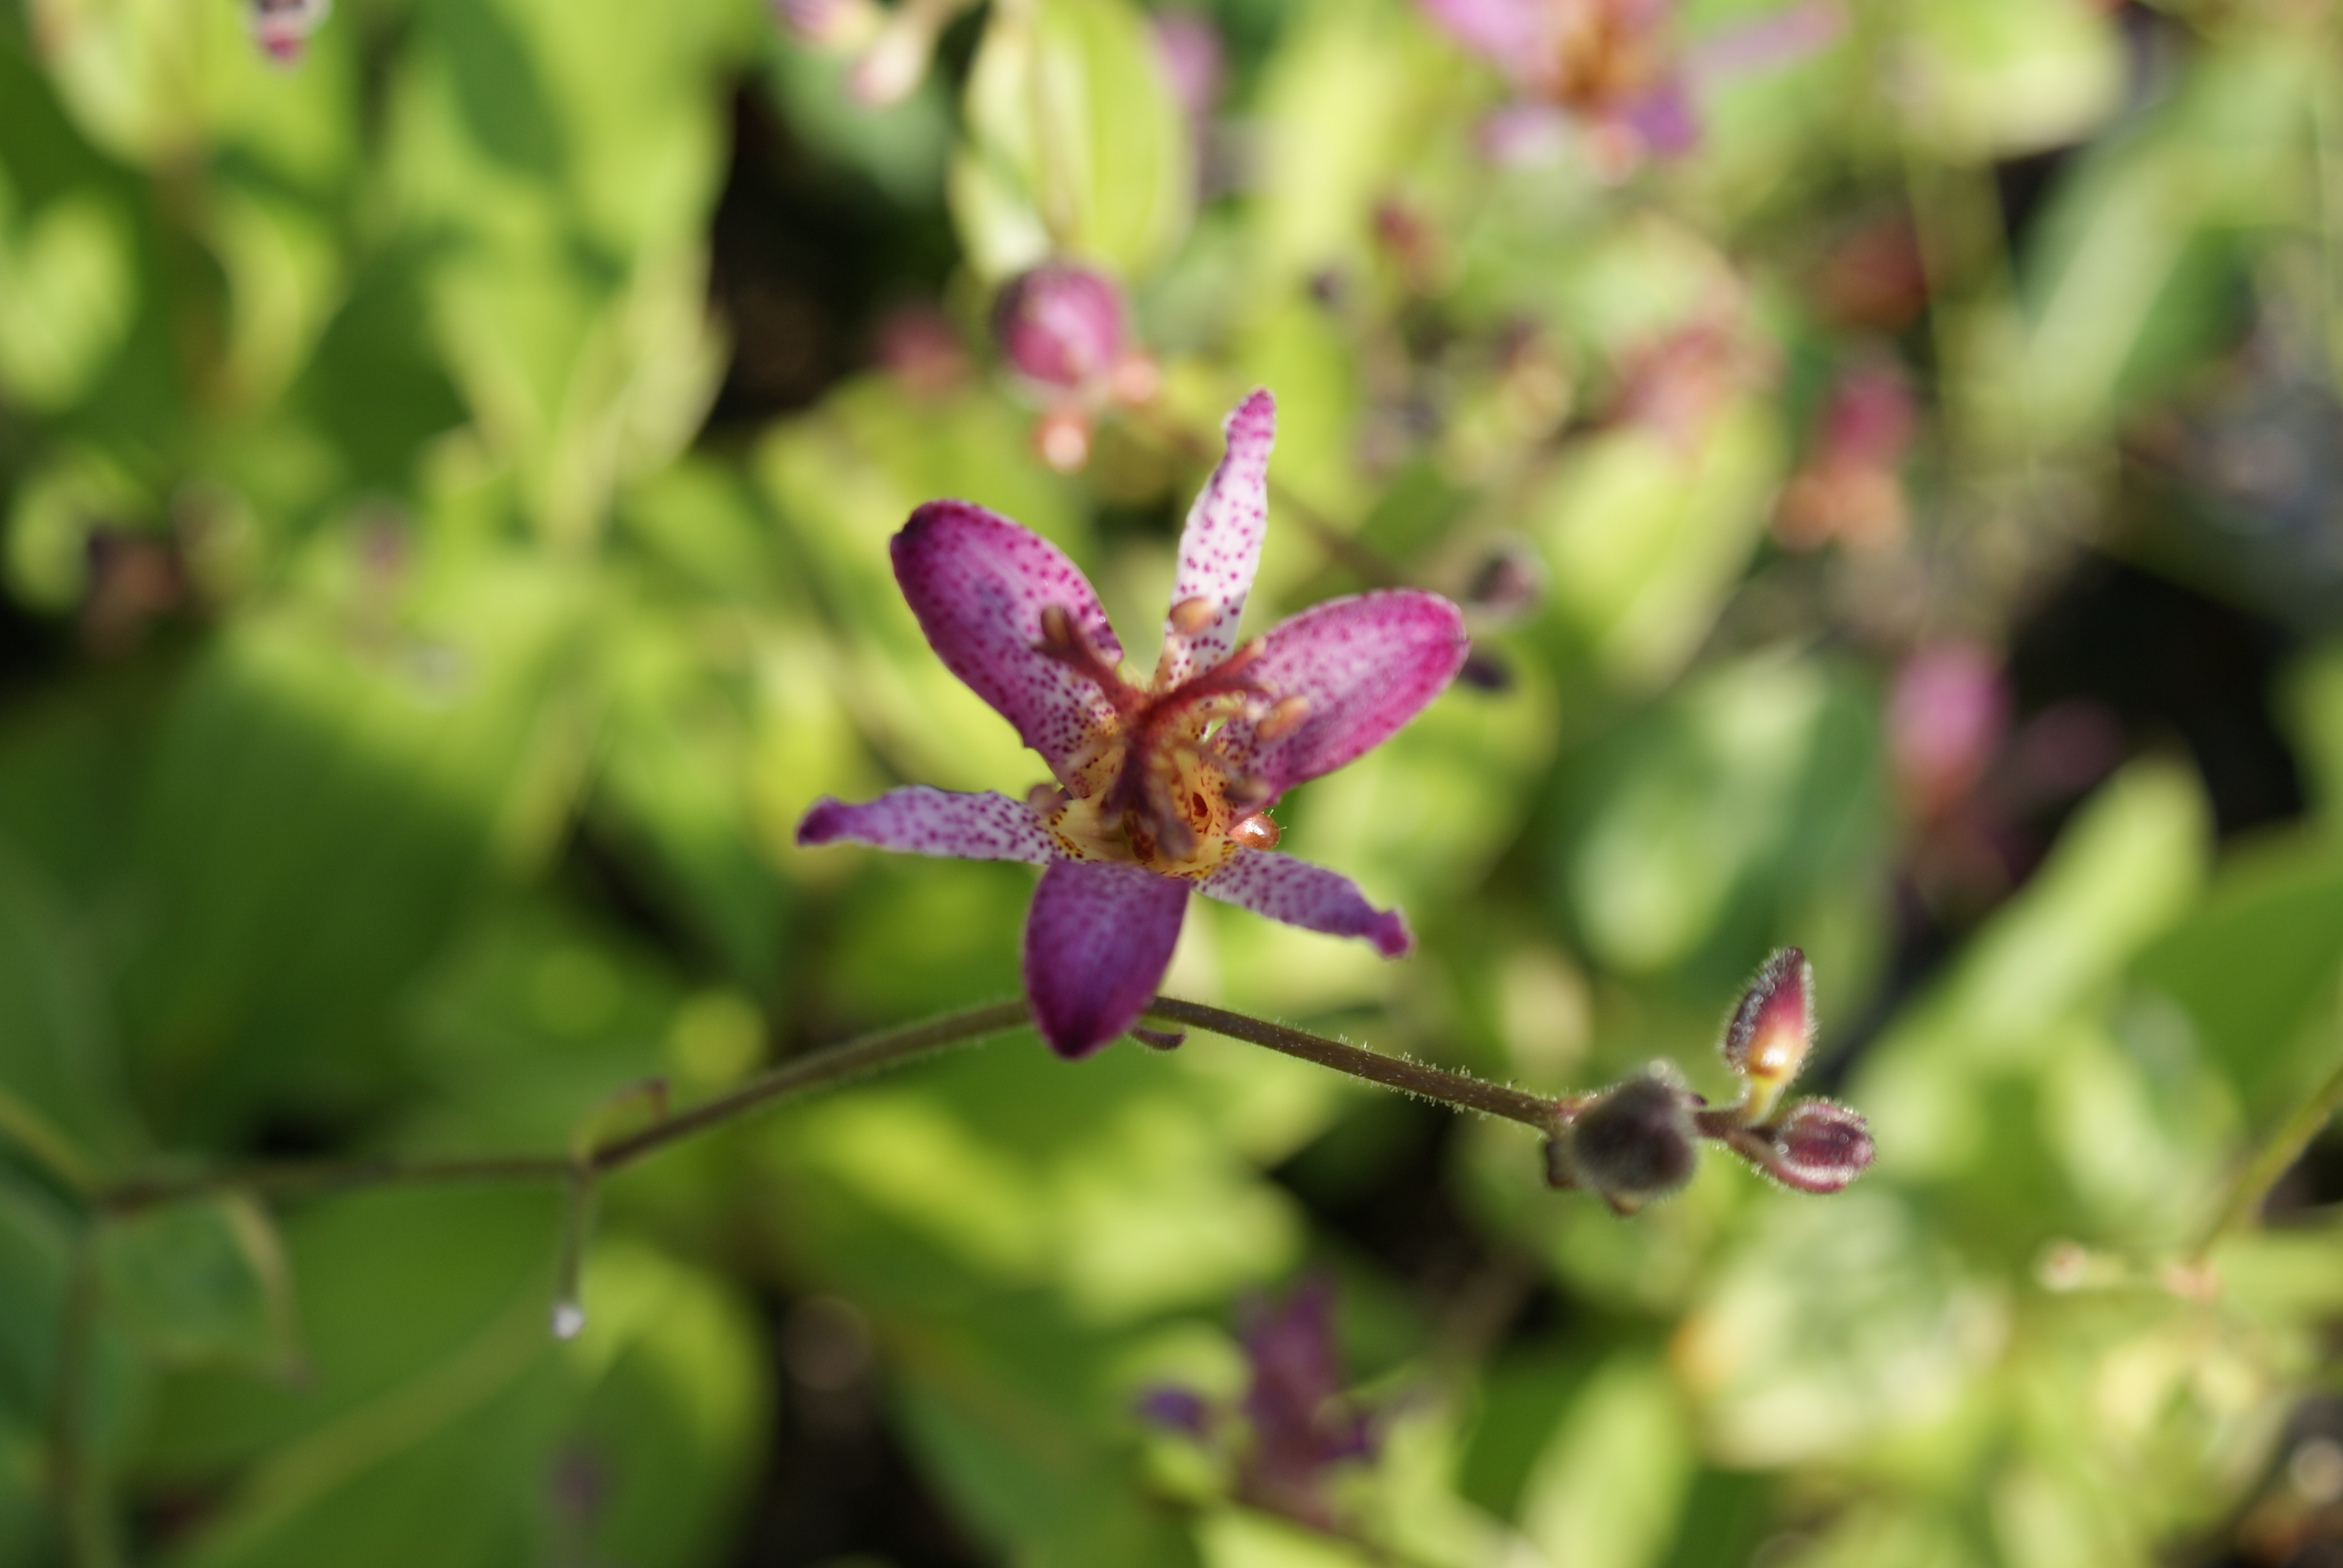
(1076, 137)
(1611, 1480)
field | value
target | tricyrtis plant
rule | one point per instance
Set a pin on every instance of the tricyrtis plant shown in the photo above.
(1160, 786)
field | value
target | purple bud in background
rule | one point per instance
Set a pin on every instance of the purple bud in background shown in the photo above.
(1946, 719)
(1509, 584)
(1175, 1408)
(1188, 46)
(1061, 326)
(282, 28)
(1634, 1141)
(1818, 1147)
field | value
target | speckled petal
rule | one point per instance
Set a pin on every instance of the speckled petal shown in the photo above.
(978, 584)
(1096, 942)
(920, 821)
(1504, 31)
(1363, 665)
(1219, 549)
(1311, 897)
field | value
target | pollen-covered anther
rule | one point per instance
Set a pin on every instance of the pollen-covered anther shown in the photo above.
(1282, 717)
(1190, 616)
(1255, 832)
(1245, 794)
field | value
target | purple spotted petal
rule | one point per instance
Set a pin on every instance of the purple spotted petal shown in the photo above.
(1096, 942)
(1220, 546)
(1776, 38)
(978, 584)
(1504, 31)
(920, 820)
(1363, 666)
(1311, 897)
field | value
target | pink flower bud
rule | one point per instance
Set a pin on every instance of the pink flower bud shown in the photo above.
(1818, 1147)
(1767, 1038)
(282, 28)
(1946, 719)
(1633, 1141)
(1061, 326)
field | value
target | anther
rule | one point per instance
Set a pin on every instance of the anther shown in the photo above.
(1058, 629)
(1190, 616)
(1282, 717)
(1246, 795)
(1045, 799)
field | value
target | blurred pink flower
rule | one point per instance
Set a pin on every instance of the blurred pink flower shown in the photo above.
(1160, 786)
(1612, 70)
(282, 28)
(1676, 385)
(1850, 487)
(1945, 720)
(1187, 46)
(1301, 1423)
(1294, 1424)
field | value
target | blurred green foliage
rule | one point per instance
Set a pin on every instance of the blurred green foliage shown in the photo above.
(410, 692)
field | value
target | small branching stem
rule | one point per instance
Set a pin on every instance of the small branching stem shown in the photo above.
(808, 1074)
(2272, 1159)
(1455, 1088)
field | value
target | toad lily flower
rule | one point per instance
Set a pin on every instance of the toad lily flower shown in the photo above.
(1159, 786)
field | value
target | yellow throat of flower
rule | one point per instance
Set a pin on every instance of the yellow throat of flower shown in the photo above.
(1152, 787)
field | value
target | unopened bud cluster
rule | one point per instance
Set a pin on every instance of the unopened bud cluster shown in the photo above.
(1065, 333)
(1639, 1140)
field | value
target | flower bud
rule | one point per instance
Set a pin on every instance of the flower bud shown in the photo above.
(1634, 1141)
(282, 28)
(1509, 585)
(1059, 326)
(1767, 1038)
(1817, 1146)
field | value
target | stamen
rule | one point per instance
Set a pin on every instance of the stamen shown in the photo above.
(1062, 641)
(1190, 616)
(1245, 793)
(1045, 799)
(1255, 832)
(1282, 717)
(1058, 634)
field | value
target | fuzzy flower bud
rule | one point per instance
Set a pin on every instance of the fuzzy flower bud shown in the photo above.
(1817, 1146)
(1061, 326)
(1767, 1038)
(1633, 1142)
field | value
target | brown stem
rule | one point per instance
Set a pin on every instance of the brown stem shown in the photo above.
(816, 1070)
(1541, 1111)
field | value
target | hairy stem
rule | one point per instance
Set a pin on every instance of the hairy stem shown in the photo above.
(815, 1070)
(1411, 1076)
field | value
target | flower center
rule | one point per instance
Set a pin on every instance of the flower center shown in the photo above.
(1152, 788)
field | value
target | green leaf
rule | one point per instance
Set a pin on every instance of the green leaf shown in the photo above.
(2256, 969)
(1990, 78)
(1616, 1471)
(1076, 142)
(1645, 538)
(200, 1282)
(61, 1101)
(68, 290)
